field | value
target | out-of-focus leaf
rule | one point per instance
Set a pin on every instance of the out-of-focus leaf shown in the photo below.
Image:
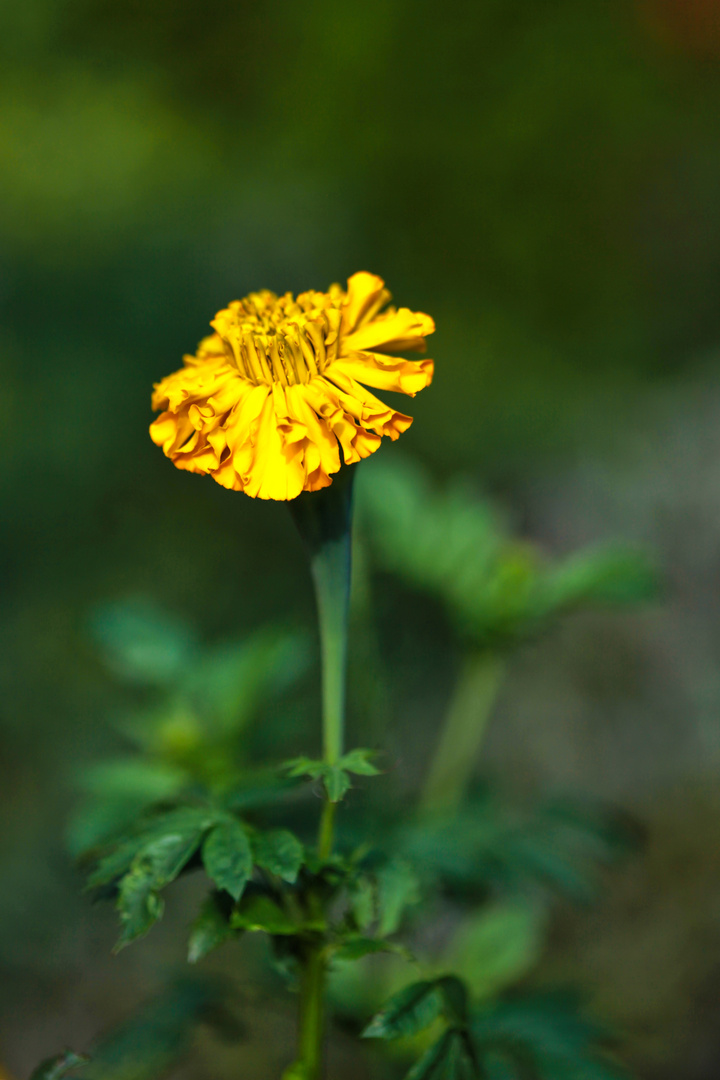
(113, 865)
(447, 1059)
(499, 590)
(142, 643)
(119, 792)
(227, 857)
(54, 1068)
(362, 893)
(160, 1032)
(355, 947)
(547, 1036)
(608, 575)
(210, 929)
(233, 679)
(407, 1012)
(397, 889)
(137, 779)
(497, 946)
(259, 912)
(279, 852)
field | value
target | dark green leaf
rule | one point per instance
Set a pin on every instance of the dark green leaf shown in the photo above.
(227, 857)
(56, 1067)
(262, 913)
(455, 995)
(358, 761)
(406, 1013)
(279, 852)
(167, 855)
(210, 929)
(138, 903)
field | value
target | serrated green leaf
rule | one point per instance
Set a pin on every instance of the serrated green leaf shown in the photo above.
(168, 854)
(210, 929)
(304, 766)
(227, 857)
(262, 913)
(406, 1013)
(337, 783)
(138, 903)
(358, 762)
(279, 852)
(54, 1068)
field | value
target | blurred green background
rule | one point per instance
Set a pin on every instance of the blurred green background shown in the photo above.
(543, 179)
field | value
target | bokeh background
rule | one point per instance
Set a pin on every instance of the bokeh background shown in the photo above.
(543, 178)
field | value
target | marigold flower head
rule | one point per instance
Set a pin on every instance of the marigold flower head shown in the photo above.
(272, 403)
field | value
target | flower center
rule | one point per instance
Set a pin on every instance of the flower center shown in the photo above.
(284, 340)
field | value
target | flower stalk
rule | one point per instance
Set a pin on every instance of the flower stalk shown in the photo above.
(324, 520)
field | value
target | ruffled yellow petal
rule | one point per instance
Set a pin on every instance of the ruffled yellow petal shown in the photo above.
(272, 403)
(385, 372)
(395, 331)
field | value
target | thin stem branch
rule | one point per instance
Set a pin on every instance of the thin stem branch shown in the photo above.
(463, 732)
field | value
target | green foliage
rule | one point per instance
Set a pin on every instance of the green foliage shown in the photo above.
(407, 1012)
(210, 929)
(259, 911)
(488, 844)
(199, 701)
(336, 777)
(499, 590)
(279, 852)
(139, 867)
(227, 857)
(497, 945)
(541, 1037)
(154, 1037)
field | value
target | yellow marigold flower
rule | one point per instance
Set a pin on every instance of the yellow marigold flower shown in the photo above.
(272, 398)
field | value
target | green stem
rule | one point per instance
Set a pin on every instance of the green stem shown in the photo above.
(463, 732)
(312, 1015)
(324, 519)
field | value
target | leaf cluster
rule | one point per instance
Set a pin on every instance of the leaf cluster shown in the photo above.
(198, 701)
(336, 777)
(138, 868)
(498, 590)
